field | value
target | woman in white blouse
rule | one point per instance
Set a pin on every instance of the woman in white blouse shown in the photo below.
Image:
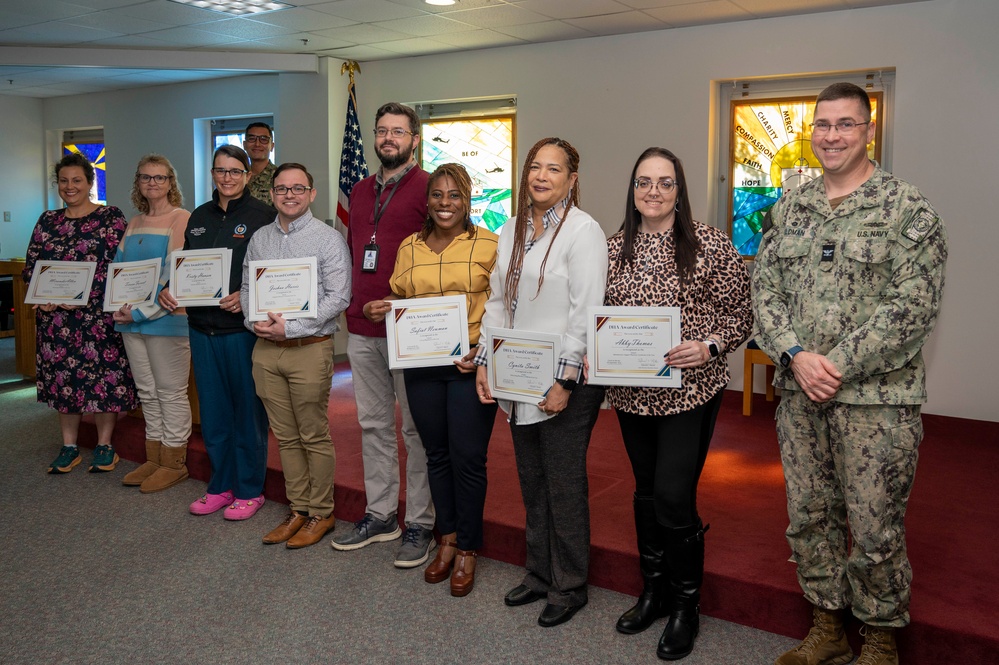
(551, 265)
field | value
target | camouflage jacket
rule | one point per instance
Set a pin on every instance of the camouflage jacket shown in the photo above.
(861, 285)
(260, 184)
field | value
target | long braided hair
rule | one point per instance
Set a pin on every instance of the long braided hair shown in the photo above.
(684, 234)
(524, 215)
(460, 177)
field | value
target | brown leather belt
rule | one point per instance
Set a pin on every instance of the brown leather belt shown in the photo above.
(301, 341)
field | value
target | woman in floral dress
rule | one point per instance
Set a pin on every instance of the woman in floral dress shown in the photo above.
(81, 366)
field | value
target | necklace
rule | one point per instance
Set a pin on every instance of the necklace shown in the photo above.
(646, 262)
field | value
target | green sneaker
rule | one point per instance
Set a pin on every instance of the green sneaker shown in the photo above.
(105, 459)
(69, 457)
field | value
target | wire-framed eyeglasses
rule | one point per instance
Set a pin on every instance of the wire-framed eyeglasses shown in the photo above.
(644, 185)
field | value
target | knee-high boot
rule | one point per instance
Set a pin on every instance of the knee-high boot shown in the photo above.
(653, 603)
(685, 558)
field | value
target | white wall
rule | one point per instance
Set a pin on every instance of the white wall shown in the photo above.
(22, 172)
(614, 96)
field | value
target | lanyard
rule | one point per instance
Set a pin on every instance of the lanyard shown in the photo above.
(381, 207)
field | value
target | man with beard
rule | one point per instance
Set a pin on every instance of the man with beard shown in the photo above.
(385, 209)
(258, 141)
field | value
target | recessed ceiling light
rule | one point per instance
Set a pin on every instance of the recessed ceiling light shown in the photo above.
(236, 7)
(439, 2)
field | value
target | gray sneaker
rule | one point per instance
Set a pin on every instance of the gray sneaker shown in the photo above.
(368, 530)
(417, 544)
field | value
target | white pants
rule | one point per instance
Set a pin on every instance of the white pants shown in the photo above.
(161, 366)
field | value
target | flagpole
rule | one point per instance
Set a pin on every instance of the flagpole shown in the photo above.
(353, 167)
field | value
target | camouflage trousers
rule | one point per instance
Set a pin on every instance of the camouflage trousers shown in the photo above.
(849, 470)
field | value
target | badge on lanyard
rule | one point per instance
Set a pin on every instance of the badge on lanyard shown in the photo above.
(370, 261)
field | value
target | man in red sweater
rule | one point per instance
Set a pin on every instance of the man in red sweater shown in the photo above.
(386, 208)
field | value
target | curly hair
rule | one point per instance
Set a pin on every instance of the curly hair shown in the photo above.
(174, 196)
(459, 176)
(524, 215)
(74, 159)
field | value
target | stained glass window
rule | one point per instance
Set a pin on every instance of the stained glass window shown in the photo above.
(95, 153)
(772, 154)
(484, 146)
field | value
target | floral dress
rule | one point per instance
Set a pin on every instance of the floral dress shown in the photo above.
(81, 366)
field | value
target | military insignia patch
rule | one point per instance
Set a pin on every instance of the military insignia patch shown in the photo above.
(917, 229)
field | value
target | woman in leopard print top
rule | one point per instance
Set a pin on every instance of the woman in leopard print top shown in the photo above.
(661, 257)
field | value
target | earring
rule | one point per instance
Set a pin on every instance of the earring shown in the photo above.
(677, 206)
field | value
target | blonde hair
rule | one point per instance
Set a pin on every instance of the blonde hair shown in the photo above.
(174, 196)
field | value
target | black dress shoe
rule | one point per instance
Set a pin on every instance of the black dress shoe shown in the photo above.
(553, 615)
(522, 595)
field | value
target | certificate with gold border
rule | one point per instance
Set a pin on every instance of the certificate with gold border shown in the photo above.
(131, 283)
(521, 363)
(626, 346)
(289, 287)
(200, 277)
(61, 283)
(427, 332)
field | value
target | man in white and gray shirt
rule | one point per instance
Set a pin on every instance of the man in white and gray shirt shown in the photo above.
(293, 359)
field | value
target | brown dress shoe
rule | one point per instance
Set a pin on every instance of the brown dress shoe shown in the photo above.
(440, 568)
(463, 577)
(311, 532)
(286, 529)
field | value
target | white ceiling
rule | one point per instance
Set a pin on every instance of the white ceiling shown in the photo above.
(50, 48)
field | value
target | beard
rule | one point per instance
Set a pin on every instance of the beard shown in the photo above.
(402, 156)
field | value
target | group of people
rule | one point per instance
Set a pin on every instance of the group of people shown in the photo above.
(844, 309)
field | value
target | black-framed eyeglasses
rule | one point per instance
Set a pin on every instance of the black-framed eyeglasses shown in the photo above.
(232, 173)
(297, 190)
(843, 127)
(396, 132)
(644, 185)
(145, 178)
(253, 138)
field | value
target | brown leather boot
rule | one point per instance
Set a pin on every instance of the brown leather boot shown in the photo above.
(879, 646)
(825, 644)
(171, 471)
(463, 576)
(440, 568)
(147, 468)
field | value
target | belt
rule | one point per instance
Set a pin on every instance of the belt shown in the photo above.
(300, 341)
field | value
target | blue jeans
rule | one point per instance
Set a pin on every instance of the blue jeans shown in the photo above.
(233, 420)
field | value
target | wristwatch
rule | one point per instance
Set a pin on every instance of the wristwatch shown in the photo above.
(712, 347)
(788, 356)
(568, 385)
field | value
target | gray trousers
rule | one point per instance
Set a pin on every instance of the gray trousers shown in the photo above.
(551, 464)
(376, 389)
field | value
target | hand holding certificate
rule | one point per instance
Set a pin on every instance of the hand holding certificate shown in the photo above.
(131, 283)
(61, 283)
(521, 363)
(427, 332)
(626, 346)
(289, 287)
(200, 277)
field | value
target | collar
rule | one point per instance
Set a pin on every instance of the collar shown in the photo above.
(297, 224)
(379, 178)
(553, 216)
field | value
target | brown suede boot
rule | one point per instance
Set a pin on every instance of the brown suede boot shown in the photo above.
(879, 646)
(135, 478)
(171, 471)
(825, 644)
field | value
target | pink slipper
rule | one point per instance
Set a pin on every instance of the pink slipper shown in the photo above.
(243, 509)
(211, 503)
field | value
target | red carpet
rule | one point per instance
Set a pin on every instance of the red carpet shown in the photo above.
(952, 523)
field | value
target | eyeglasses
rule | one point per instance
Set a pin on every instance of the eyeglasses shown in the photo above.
(253, 138)
(158, 179)
(397, 132)
(844, 127)
(232, 173)
(644, 185)
(297, 190)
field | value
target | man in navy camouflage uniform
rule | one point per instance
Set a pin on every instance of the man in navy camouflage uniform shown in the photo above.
(846, 289)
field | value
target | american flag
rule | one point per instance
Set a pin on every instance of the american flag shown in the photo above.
(353, 168)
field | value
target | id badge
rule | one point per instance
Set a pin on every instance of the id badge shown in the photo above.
(370, 261)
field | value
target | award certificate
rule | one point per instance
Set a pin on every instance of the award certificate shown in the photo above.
(427, 332)
(521, 363)
(627, 346)
(61, 283)
(131, 283)
(200, 277)
(289, 287)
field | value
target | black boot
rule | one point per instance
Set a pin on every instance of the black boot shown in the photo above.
(652, 604)
(685, 558)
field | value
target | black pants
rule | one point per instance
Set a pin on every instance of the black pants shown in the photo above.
(667, 455)
(455, 428)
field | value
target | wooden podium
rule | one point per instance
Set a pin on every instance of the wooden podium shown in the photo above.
(24, 320)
